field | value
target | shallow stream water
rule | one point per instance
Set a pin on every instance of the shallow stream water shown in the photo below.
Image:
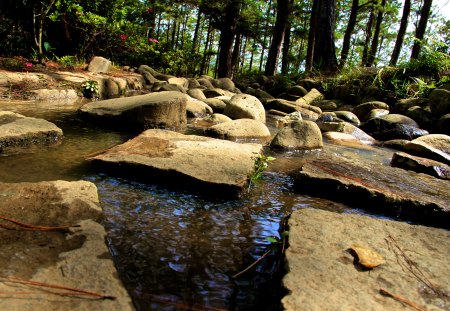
(176, 250)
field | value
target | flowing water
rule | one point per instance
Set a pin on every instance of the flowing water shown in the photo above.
(176, 250)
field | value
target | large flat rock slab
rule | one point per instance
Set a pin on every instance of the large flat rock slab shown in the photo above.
(378, 188)
(323, 274)
(18, 132)
(155, 110)
(76, 258)
(184, 160)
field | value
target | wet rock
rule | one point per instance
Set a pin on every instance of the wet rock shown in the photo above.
(393, 126)
(154, 110)
(440, 102)
(308, 112)
(245, 129)
(322, 273)
(443, 125)
(18, 132)
(244, 106)
(398, 144)
(76, 258)
(348, 116)
(70, 95)
(288, 119)
(344, 139)
(382, 189)
(421, 165)
(298, 135)
(433, 146)
(184, 160)
(362, 110)
(327, 105)
(99, 64)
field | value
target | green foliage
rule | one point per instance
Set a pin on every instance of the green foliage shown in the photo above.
(89, 88)
(67, 60)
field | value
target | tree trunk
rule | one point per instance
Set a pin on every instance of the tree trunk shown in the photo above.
(324, 56)
(235, 54)
(266, 26)
(197, 27)
(374, 46)
(368, 38)
(348, 32)
(401, 33)
(286, 46)
(39, 16)
(420, 31)
(281, 23)
(206, 51)
(227, 33)
(312, 34)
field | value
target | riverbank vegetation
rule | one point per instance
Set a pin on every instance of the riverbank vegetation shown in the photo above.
(238, 38)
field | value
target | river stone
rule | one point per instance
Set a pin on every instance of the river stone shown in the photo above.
(307, 111)
(216, 104)
(297, 90)
(433, 146)
(323, 274)
(99, 64)
(196, 93)
(403, 105)
(420, 165)
(18, 132)
(347, 128)
(298, 135)
(218, 118)
(183, 82)
(78, 258)
(154, 110)
(246, 129)
(393, 126)
(244, 106)
(370, 185)
(376, 113)
(421, 116)
(225, 84)
(205, 82)
(362, 110)
(347, 116)
(312, 97)
(214, 92)
(397, 144)
(184, 160)
(440, 102)
(443, 125)
(197, 108)
(327, 105)
(344, 139)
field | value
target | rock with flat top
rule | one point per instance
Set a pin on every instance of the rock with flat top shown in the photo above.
(207, 164)
(323, 274)
(99, 64)
(18, 132)
(77, 257)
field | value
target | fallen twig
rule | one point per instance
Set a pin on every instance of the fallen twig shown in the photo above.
(253, 264)
(71, 291)
(401, 299)
(24, 226)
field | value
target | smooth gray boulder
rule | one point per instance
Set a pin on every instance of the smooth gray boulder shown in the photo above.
(420, 165)
(216, 104)
(433, 146)
(347, 116)
(241, 129)
(76, 257)
(154, 110)
(197, 108)
(99, 64)
(244, 106)
(18, 132)
(324, 275)
(184, 160)
(298, 135)
(370, 185)
(196, 93)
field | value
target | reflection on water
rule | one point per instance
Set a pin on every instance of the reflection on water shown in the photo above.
(175, 250)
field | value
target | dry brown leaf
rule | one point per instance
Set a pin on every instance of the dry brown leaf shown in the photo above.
(366, 257)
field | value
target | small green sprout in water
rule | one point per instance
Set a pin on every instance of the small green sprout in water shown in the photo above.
(261, 164)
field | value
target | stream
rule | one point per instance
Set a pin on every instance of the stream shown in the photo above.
(176, 250)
